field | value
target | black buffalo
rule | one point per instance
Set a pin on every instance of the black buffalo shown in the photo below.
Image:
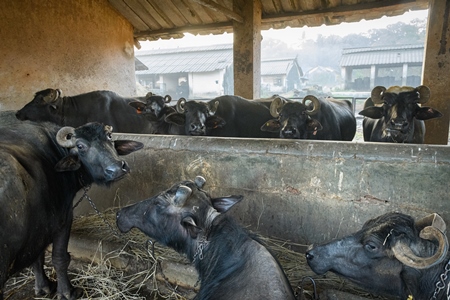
(313, 118)
(43, 166)
(98, 106)
(394, 115)
(155, 108)
(391, 255)
(230, 263)
(226, 116)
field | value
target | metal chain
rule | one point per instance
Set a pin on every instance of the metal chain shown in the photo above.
(440, 285)
(202, 244)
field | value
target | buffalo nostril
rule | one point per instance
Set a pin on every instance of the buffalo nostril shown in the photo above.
(125, 167)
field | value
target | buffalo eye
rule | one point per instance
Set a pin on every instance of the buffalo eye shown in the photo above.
(371, 247)
(81, 147)
(109, 136)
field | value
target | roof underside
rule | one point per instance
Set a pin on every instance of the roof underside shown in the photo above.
(154, 19)
(382, 55)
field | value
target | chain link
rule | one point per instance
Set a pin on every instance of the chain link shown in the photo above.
(440, 285)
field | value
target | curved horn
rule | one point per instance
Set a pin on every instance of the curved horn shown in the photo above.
(200, 181)
(167, 99)
(182, 194)
(377, 94)
(180, 105)
(148, 95)
(275, 107)
(424, 93)
(66, 137)
(315, 102)
(54, 94)
(108, 129)
(405, 255)
(213, 107)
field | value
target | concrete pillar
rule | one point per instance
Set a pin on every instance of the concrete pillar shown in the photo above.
(247, 49)
(435, 69)
(373, 75)
(404, 74)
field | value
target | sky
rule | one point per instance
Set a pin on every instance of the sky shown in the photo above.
(286, 35)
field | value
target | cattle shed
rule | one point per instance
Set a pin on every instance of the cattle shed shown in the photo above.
(299, 191)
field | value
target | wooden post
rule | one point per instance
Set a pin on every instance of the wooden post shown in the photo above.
(247, 49)
(436, 70)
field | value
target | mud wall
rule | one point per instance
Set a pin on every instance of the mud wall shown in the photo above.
(77, 46)
(303, 191)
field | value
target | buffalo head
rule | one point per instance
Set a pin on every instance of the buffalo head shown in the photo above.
(154, 108)
(197, 117)
(398, 108)
(43, 107)
(177, 217)
(91, 147)
(390, 255)
(294, 120)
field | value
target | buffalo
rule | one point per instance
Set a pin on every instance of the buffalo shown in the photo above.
(313, 118)
(155, 109)
(104, 107)
(43, 166)
(395, 115)
(224, 116)
(391, 255)
(230, 262)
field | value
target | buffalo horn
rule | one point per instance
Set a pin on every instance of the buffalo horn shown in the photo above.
(54, 94)
(275, 107)
(424, 93)
(108, 128)
(377, 94)
(180, 105)
(315, 102)
(200, 181)
(167, 99)
(66, 137)
(213, 107)
(182, 194)
(149, 94)
(405, 255)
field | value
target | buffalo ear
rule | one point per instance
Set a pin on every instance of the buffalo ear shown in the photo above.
(313, 125)
(138, 105)
(68, 163)
(271, 126)
(426, 113)
(124, 147)
(373, 112)
(191, 226)
(176, 118)
(223, 204)
(214, 122)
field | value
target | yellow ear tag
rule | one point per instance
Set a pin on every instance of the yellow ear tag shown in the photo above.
(410, 297)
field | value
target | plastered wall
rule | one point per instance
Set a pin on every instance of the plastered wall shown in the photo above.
(297, 190)
(77, 46)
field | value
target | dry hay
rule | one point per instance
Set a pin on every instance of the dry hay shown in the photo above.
(101, 280)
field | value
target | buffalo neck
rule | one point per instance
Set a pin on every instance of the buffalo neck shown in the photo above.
(221, 256)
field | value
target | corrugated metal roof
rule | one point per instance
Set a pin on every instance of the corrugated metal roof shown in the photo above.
(382, 55)
(186, 60)
(202, 59)
(276, 66)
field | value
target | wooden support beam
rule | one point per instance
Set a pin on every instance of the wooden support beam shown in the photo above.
(436, 68)
(247, 49)
(219, 8)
